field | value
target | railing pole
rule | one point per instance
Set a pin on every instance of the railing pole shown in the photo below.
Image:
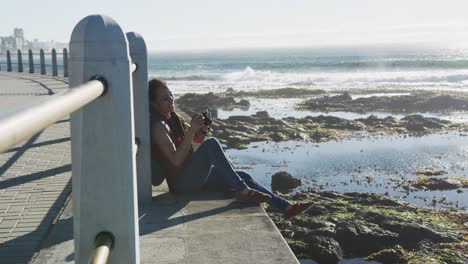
(20, 61)
(104, 242)
(102, 140)
(65, 62)
(42, 58)
(31, 62)
(8, 61)
(138, 54)
(54, 63)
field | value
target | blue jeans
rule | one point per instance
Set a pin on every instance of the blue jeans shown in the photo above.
(210, 169)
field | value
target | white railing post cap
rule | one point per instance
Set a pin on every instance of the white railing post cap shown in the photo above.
(98, 30)
(136, 43)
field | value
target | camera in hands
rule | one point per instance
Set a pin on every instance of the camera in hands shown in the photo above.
(208, 118)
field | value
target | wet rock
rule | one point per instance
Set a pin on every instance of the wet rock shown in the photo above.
(317, 210)
(278, 136)
(262, 115)
(372, 199)
(337, 123)
(192, 103)
(284, 182)
(433, 183)
(430, 172)
(331, 194)
(419, 123)
(300, 196)
(363, 239)
(244, 104)
(301, 233)
(410, 234)
(287, 233)
(240, 119)
(446, 102)
(312, 223)
(319, 136)
(371, 216)
(324, 231)
(416, 102)
(396, 255)
(373, 120)
(299, 248)
(324, 249)
(241, 130)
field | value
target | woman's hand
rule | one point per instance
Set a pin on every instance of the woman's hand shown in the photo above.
(205, 129)
(197, 122)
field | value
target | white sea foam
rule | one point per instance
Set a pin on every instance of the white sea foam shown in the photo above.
(415, 76)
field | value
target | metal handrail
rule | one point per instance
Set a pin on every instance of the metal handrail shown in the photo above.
(35, 64)
(22, 123)
(37, 53)
(104, 243)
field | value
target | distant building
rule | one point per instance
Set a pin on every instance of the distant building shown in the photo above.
(7, 43)
(18, 41)
(18, 34)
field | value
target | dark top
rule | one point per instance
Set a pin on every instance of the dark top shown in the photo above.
(160, 168)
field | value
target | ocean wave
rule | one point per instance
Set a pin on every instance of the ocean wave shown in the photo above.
(249, 74)
(314, 78)
(192, 78)
(450, 78)
(396, 64)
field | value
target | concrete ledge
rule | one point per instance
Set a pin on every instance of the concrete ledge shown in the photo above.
(199, 228)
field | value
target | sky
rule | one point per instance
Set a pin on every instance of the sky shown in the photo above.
(219, 24)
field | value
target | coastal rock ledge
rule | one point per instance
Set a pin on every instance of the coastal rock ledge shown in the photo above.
(374, 227)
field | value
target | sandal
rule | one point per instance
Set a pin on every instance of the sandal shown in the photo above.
(296, 209)
(252, 196)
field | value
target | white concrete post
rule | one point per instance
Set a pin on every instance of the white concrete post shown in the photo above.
(20, 61)
(8, 56)
(54, 63)
(65, 62)
(42, 59)
(102, 138)
(138, 54)
(31, 62)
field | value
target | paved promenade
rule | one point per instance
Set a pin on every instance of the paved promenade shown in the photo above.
(34, 175)
(36, 209)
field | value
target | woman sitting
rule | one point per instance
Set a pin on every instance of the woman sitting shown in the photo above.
(208, 168)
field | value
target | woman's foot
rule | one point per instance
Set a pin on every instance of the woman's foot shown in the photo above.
(296, 209)
(252, 196)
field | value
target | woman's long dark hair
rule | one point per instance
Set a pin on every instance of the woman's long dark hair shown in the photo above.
(176, 122)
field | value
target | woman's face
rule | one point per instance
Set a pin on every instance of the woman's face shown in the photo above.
(164, 102)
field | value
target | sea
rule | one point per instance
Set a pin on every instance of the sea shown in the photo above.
(334, 69)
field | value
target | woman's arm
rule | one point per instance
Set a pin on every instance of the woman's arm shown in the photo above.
(162, 142)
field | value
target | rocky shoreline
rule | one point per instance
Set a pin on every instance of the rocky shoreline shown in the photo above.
(239, 131)
(415, 102)
(348, 225)
(374, 227)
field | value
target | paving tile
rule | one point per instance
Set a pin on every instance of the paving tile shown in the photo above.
(28, 187)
